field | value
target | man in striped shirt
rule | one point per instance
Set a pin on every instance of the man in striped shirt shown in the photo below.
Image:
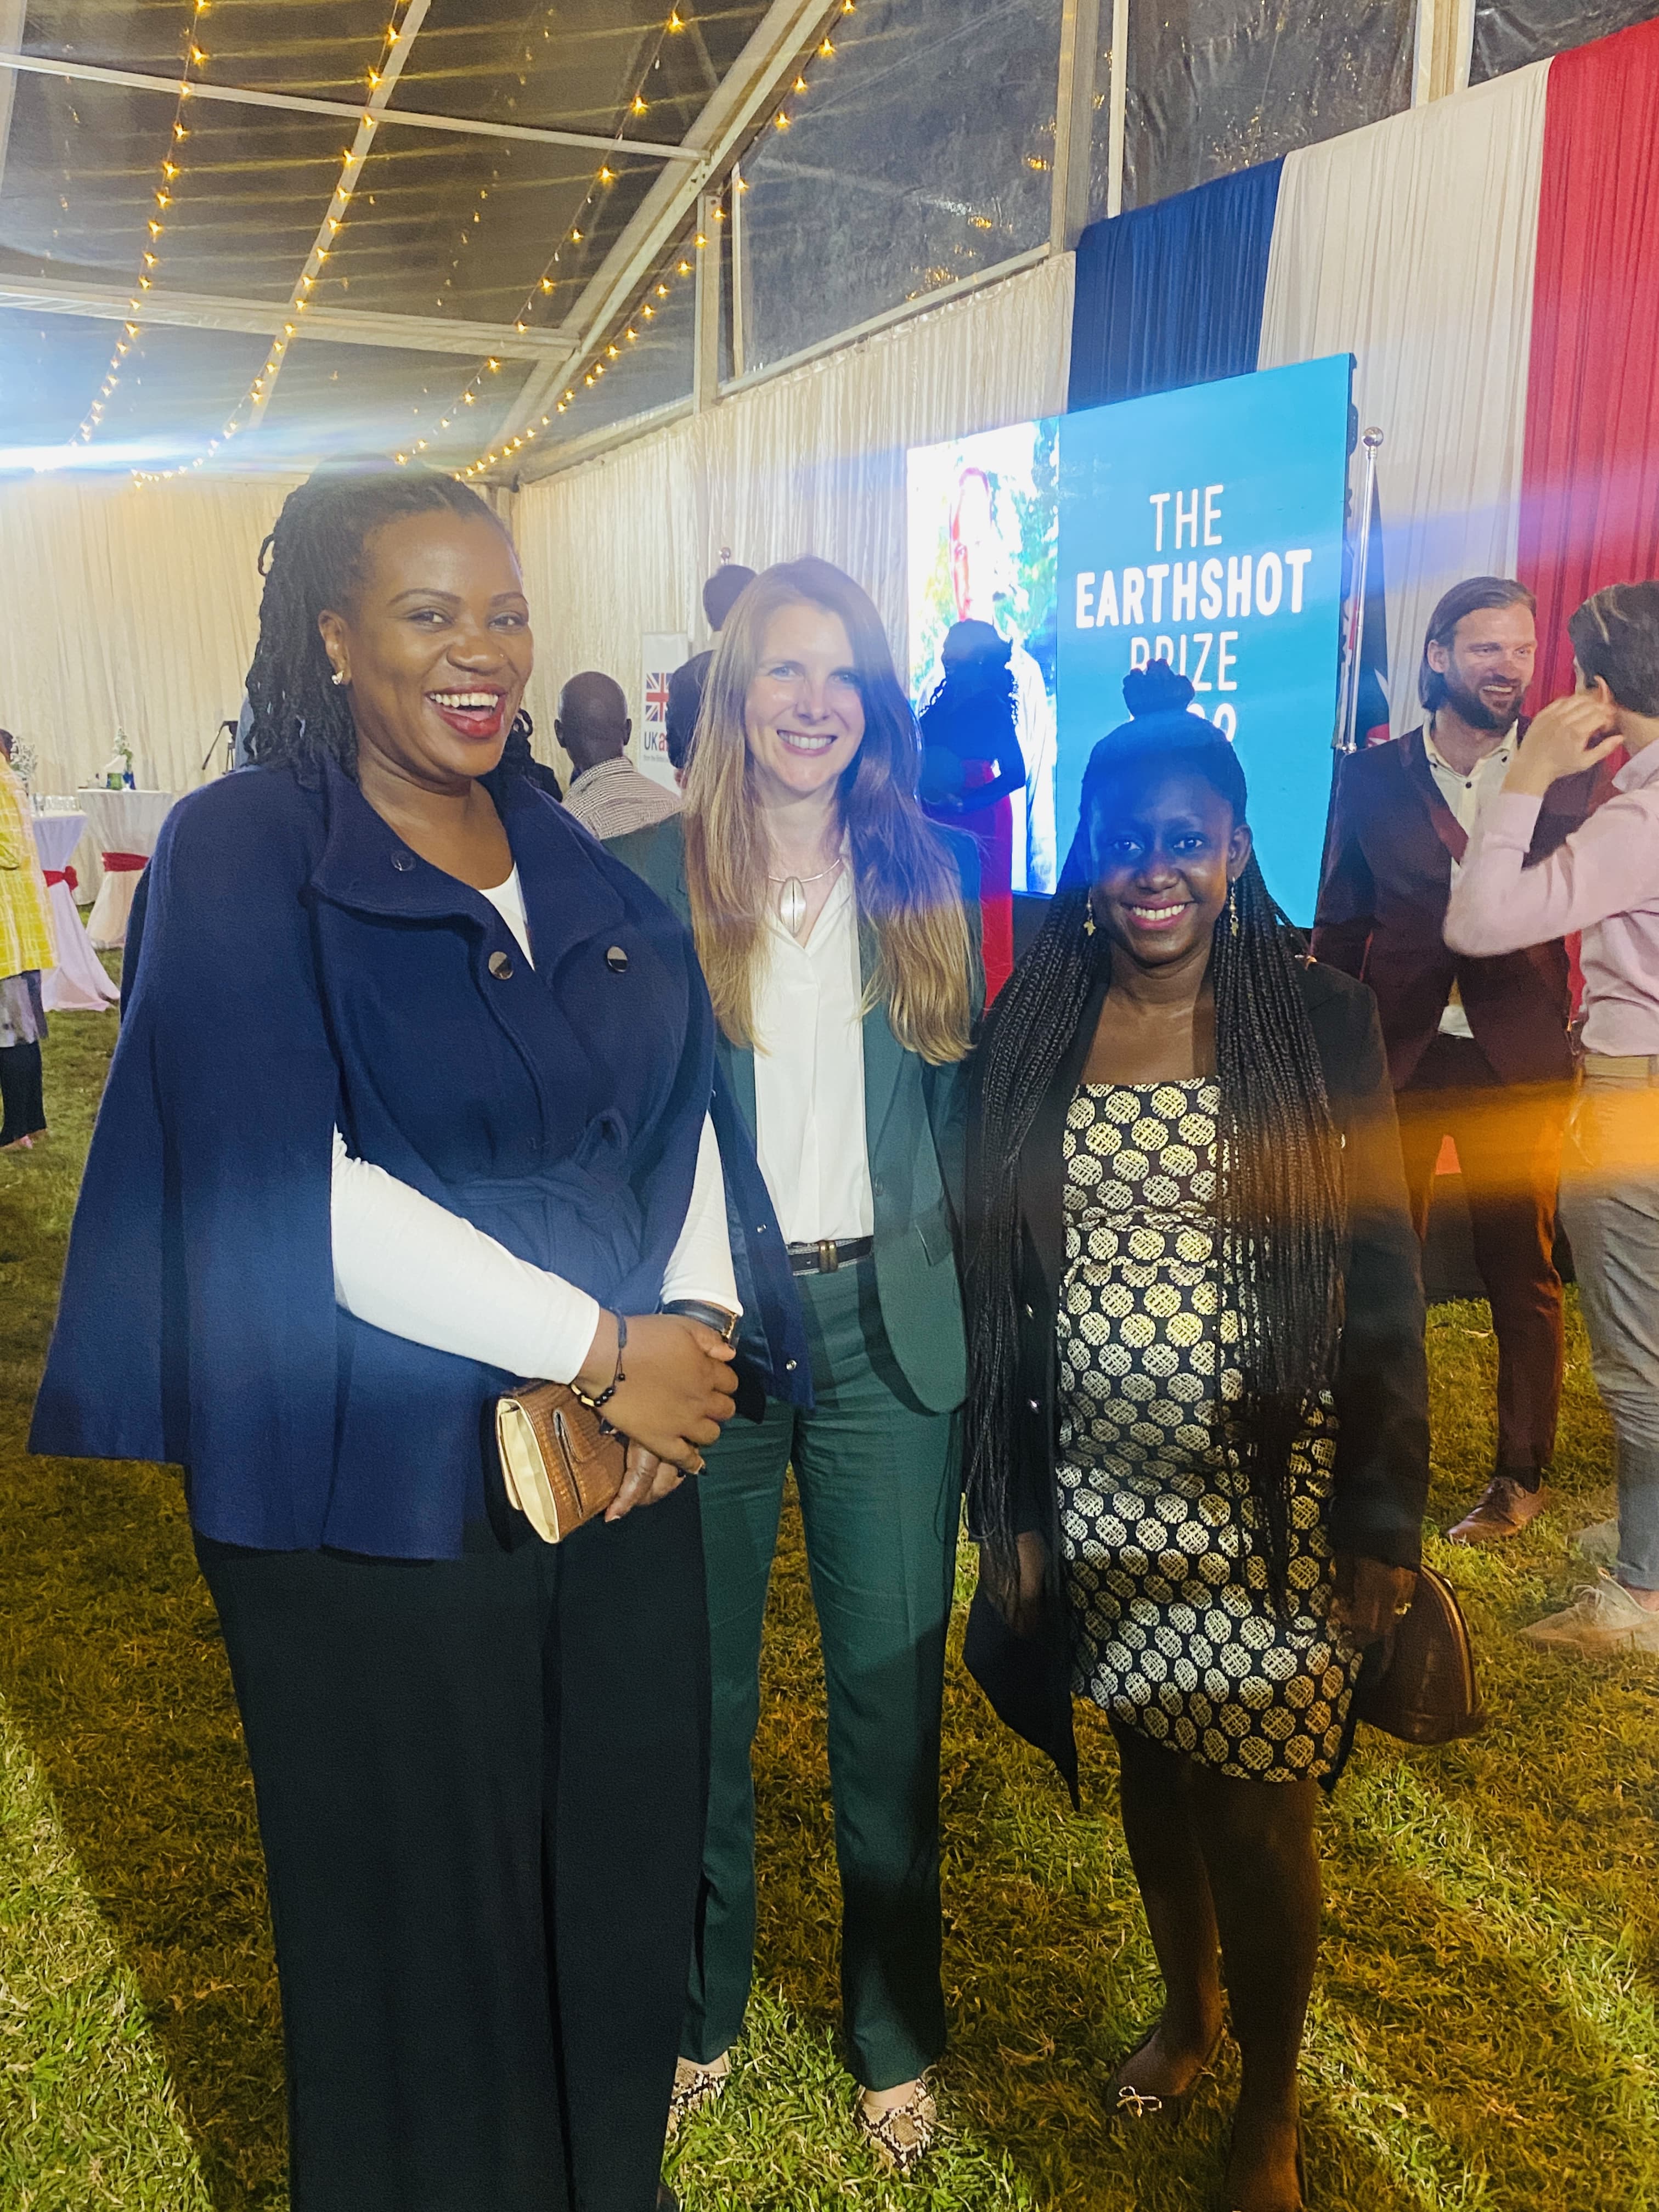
(608, 795)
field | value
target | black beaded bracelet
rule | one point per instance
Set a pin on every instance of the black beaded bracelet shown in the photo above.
(617, 1380)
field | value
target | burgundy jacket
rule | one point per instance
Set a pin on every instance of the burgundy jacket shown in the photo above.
(1382, 911)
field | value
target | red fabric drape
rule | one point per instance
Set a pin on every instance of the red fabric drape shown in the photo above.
(993, 830)
(1590, 490)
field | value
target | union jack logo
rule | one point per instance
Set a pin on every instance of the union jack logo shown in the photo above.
(656, 700)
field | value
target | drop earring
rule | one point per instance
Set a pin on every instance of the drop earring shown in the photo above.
(1089, 915)
(1232, 908)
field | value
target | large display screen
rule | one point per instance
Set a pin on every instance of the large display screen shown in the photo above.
(1202, 526)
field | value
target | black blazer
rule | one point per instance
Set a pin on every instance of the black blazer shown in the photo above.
(1382, 914)
(1380, 1389)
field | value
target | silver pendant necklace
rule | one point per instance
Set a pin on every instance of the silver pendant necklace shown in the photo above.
(791, 894)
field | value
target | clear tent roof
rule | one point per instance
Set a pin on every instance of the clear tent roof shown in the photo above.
(211, 213)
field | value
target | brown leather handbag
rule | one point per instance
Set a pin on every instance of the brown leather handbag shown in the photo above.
(1426, 1693)
(562, 1461)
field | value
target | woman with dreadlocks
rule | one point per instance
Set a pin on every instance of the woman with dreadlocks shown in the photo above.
(412, 1098)
(1197, 1436)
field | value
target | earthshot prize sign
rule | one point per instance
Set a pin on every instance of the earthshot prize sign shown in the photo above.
(1204, 527)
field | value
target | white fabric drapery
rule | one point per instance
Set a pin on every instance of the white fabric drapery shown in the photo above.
(1410, 244)
(128, 605)
(811, 461)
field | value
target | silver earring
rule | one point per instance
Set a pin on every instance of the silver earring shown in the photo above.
(1232, 908)
(338, 677)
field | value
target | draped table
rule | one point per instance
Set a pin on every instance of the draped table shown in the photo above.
(77, 984)
(125, 824)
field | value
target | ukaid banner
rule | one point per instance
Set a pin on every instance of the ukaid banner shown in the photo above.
(1202, 526)
(663, 651)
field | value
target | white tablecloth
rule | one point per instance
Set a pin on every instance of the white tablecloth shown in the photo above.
(121, 822)
(77, 983)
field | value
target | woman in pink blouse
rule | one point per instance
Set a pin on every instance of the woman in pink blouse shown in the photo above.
(1604, 881)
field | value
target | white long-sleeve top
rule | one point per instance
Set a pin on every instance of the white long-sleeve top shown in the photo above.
(809, 1075)
(405, 1264)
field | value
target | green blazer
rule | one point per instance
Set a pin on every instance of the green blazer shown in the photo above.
(914, 1122)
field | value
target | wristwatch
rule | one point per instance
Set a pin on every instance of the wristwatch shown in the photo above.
(724, 1324)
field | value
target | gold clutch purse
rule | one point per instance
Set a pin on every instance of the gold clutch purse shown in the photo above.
(562, 1462)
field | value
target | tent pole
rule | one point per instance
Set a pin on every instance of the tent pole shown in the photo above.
(1117, 95)
(1074, 116)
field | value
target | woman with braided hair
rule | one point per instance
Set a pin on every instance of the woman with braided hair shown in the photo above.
(412, 1098)
(1197, 1435)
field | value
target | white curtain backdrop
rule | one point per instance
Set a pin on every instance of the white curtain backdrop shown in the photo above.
(810, 462)
(128, 605)
(1410, 244)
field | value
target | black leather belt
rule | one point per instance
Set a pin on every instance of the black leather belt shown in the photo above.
(827, 1255)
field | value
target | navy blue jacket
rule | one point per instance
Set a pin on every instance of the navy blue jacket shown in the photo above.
(298, 968)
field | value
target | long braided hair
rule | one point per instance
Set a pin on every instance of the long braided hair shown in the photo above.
(1280, 1191)
(313, 559)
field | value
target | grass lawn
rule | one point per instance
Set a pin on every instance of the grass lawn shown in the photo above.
(1483, 2032)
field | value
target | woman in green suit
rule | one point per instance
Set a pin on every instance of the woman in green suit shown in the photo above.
(837, 931)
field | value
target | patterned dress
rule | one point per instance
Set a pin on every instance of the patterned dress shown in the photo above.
(1177, 1635)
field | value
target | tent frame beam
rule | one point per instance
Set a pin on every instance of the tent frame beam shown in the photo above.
(342, 110)
(1444, 49)
(211, 311)
(1075, 118)
(773, 52)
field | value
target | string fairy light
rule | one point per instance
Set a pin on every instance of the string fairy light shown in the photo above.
(399, 37)
(169, 168)
(658, 287)
(579, 234)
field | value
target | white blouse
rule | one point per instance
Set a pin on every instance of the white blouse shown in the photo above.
(405, 1264)
(809, 1076)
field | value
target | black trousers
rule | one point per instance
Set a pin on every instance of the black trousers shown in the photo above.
(22, 1101)
(481, 1786)
(1508, 1146)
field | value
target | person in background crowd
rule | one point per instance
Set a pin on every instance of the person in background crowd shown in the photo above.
(837, 931)
(970, 762)
(1477, 1048)
(413, 1091)
(608, 795)
(983, 587)
(1603, 881)
(27, 947)
(1197, 1425)
(719, 595)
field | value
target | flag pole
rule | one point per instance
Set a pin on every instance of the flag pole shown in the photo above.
(1346, 740)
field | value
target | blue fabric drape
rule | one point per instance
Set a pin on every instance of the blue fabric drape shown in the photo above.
(1171, 294)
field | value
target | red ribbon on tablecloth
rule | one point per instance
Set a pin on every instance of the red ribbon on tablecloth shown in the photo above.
(62, 876)
(125, 864)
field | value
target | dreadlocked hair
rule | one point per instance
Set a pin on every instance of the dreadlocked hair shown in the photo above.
(1278, 1196)
(312, 560)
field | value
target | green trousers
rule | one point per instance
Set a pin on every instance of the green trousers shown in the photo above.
(878, 1480)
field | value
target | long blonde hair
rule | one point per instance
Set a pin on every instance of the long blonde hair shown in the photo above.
(907, 887)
